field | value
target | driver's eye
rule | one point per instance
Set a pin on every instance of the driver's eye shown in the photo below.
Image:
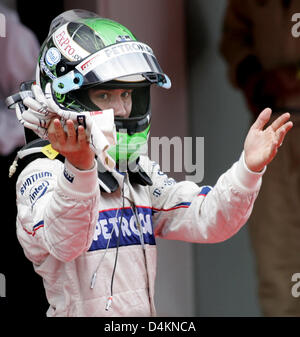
(103, 96)
(126, 94)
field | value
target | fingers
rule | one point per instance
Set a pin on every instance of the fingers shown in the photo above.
(35, 118)
(49, 100)
(38, 104)
(35, 105)
(38, 94)
(282, 131)
(262, 119)
(281, 126)
(281, 120)
(19, 114)
(82, 137)
(56, 133)
(61, 138)
(71, 135)
(27, 123)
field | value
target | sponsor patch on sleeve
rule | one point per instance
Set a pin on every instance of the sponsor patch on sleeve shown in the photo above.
(68, 175)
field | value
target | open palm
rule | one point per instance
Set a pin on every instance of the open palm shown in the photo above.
(261, 144)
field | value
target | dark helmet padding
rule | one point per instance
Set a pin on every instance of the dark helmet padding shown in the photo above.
(140, 98)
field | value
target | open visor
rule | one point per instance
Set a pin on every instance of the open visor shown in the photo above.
(130, 61)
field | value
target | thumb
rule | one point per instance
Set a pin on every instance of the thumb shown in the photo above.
(262, 119)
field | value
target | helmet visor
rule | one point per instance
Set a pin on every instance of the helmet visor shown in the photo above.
(130, 61)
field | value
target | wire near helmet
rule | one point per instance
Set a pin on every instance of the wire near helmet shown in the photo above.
(82, 51)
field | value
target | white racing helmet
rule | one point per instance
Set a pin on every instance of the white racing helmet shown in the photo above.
(83, 50)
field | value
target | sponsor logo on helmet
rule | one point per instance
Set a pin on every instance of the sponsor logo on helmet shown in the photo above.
(115, 50)
(67, 46)
(88, 63)
(46, 70)
(123, 38)
(126, 48)
(53, 56)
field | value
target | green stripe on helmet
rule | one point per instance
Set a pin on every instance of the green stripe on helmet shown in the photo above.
(109, 30)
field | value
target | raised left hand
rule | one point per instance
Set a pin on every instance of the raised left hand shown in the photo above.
(261, 145)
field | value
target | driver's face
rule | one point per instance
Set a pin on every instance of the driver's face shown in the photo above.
(118, 99)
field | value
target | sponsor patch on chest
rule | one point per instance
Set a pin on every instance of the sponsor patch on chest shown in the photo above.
(132, 227)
